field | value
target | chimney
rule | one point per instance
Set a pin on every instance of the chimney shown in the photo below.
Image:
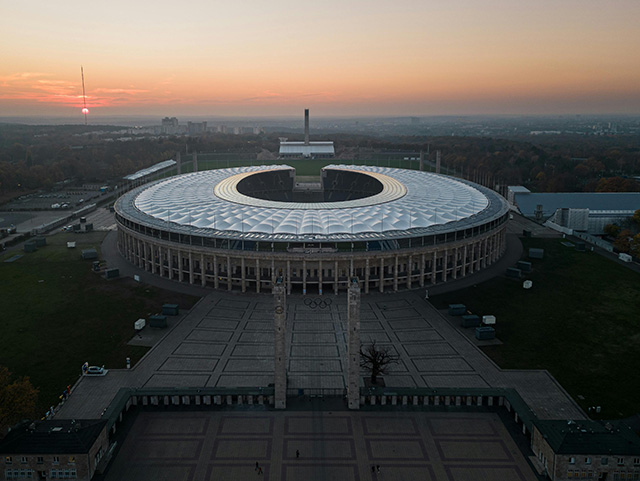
(306, 126)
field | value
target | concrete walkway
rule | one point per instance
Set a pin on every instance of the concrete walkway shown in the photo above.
(226, 340)
(319, 446)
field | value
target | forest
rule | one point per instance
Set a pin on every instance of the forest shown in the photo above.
(37, 157)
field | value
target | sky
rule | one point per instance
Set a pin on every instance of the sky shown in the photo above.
(336, 57)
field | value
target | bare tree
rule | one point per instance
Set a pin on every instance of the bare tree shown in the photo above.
(376, 359)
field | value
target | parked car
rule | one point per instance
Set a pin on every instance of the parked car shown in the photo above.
(96, 371)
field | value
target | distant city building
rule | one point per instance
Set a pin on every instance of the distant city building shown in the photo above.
(307, 149)
(170, 126)
(580, 211)
(196, 128)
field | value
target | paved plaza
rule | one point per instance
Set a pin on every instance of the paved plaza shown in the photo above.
(338, 445)
(227, 339)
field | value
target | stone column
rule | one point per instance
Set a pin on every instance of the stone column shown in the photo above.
(179, 265)
(229, 276)
(381, 286)
(191, 273)
(433, 267)
(395, 274)
(423, 260)
(464, 261)
(473, 258)
(170, 263)
(304, 277)
(444, 265)
(353, 349)
(366, 276)
(335, 278)
(154, 269)
(258, 280)
(216, 277)
(280, 361)
(320, 277)
(203, 276)
(195, 161)
(243, 281)
(455, 263)
(409, 271)
(139, 260)
(288, 281)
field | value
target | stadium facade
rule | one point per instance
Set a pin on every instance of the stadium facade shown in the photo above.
(241, 228)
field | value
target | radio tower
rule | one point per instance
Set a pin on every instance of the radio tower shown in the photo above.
(85, 110)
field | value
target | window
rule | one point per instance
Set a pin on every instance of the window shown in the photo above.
(636, 461)
(56, 460)
(620, 461)
(572, 460)
(587, 460)
(8, 460)
(72, 460)
(604, 461)
(40, 460)
(569, 474)
(63, 474)
(18, 474)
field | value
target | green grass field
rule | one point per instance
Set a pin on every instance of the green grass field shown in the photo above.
(580, 321)
(57, 314)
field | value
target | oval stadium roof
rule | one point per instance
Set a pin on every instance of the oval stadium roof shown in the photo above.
(411, 203)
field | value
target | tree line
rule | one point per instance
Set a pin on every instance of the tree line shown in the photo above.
(36, 157)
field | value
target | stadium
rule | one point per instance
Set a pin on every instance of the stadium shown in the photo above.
(241, 228)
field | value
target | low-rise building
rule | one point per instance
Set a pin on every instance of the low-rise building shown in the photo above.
(586, 449)
(55, 449)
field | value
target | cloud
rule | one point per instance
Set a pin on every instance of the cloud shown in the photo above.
(120, 91)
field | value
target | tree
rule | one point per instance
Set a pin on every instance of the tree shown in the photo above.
(635, 246)
(623, 241)
(17, 399)
(612, 230)
(376, 359)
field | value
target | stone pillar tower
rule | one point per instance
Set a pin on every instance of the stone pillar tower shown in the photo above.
(179, 163)
(279, 328)
(195, 161)
(421, 161)
(306, 126)
(353, 348)
(437, 161)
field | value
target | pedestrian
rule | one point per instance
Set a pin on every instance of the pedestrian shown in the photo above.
(257, 466)
(297, 454)
(259, 470)
(378, 468)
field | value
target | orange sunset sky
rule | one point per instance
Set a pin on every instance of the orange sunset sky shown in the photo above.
(348, 57)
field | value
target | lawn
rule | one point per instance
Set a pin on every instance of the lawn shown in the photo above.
(580, 320)
(57, 314)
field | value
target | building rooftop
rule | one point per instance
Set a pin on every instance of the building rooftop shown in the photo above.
(150, 170)
(304, 149)
(611, 201)
(63, 436)
(411, 203)
(590, 437)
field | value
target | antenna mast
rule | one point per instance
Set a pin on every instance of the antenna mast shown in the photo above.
(85, 110)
